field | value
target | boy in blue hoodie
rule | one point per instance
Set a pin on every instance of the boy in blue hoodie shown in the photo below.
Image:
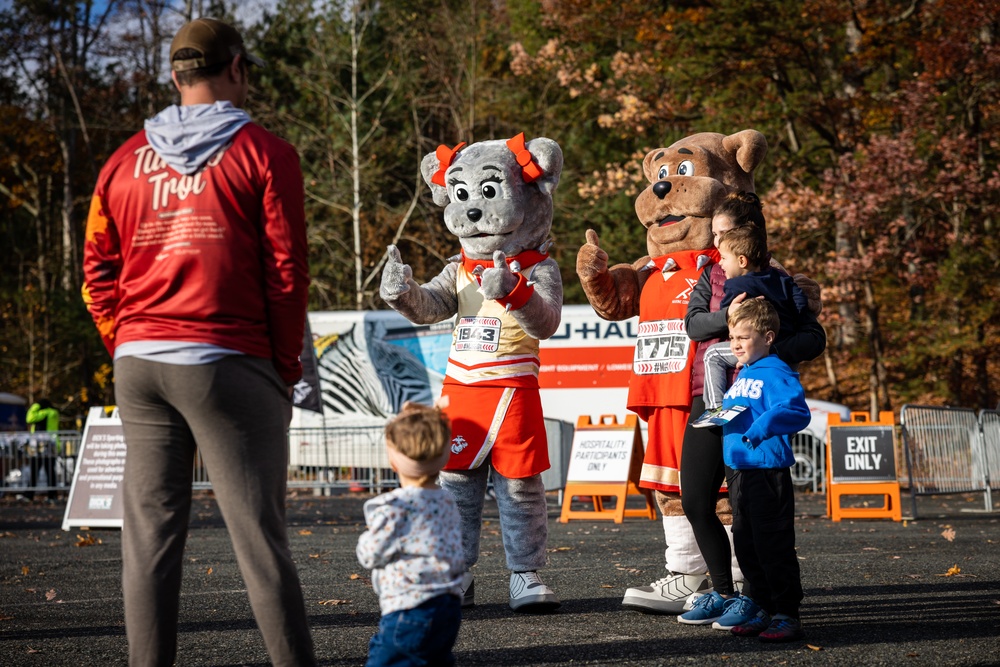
(756, 448)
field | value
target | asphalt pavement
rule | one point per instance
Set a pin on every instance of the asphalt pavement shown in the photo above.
(877, 592)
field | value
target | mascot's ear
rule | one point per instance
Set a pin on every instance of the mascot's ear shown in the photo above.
(647, 164)
(428, 167)
(549, 157)
(750, 147)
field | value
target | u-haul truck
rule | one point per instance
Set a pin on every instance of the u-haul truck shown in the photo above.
(585, 366)
(370, 362)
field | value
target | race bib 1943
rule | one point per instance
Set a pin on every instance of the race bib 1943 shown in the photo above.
(478, 334)
(662, 346)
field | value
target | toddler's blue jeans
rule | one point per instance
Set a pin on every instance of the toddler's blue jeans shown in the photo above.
(423, 635)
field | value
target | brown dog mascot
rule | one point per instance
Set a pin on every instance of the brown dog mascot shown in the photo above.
(687, 182)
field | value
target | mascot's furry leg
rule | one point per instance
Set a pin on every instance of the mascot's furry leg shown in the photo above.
(468, 487)
(523, 527)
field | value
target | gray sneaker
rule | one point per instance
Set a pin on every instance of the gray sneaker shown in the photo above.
(468, 590)
(528, 593)
(673, 594)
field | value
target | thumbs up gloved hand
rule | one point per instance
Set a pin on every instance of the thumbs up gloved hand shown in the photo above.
(498, 282)
(396, 276)
(591, 260)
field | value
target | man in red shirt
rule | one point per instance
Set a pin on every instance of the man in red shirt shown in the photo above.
(195, 267)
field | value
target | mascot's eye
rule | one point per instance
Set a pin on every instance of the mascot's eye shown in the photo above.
(662, 173)
(462, 194)
(685, 168)
(489, 190)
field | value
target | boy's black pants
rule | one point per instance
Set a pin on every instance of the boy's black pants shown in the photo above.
(764, 538)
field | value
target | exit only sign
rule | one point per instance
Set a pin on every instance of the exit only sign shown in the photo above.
(862, 454)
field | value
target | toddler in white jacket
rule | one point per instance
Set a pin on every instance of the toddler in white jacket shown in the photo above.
(413, 546)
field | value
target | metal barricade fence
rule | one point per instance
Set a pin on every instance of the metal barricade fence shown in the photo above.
(37, 462)
(351, 457)
(342, 456)
(809, 469)
(989, 424)
(947, 453)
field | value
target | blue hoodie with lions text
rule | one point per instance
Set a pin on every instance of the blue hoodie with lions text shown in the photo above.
(776, 409)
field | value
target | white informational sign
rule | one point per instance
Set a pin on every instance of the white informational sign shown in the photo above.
(95, 499)
(600, 455)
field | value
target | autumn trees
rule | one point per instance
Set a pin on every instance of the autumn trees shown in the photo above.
(881, 180)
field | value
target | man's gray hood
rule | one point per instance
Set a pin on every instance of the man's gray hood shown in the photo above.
(186, 137)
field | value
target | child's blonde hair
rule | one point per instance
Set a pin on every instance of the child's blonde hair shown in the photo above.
(419, 432)
(748, 241)
(758, 313)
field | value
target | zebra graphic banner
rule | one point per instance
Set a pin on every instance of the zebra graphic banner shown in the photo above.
(368, 363)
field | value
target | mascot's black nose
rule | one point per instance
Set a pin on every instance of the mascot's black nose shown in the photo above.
(474, 214)
(661, 188)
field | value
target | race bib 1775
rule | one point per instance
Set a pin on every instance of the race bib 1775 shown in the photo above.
(661, 347)
(478, 334)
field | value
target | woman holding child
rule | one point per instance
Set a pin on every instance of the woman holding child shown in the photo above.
(702, 467)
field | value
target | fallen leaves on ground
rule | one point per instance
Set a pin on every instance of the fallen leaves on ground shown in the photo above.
(50, 594)
(559, 549)
(25, 570)
(814, 648)
(208, 571)
(305, 531)
(87, 541)
(354, 576)
(334, 603)
(948, 534)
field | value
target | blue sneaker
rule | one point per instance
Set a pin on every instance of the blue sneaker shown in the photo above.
(706, 609)
(740, 611)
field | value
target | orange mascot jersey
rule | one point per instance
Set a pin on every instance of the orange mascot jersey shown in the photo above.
(660, 386)
(492, 387)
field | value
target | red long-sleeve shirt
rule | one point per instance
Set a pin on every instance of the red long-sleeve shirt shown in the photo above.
(217, 257)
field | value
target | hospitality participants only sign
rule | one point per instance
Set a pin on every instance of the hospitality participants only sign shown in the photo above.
(601, 455)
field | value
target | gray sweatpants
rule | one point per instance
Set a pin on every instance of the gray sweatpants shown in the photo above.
(719, 360)
(236, 412)
(523, 515)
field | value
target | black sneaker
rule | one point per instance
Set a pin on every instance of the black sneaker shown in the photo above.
(782, 630)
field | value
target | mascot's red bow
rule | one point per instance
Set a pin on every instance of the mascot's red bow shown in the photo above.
(530, 171)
